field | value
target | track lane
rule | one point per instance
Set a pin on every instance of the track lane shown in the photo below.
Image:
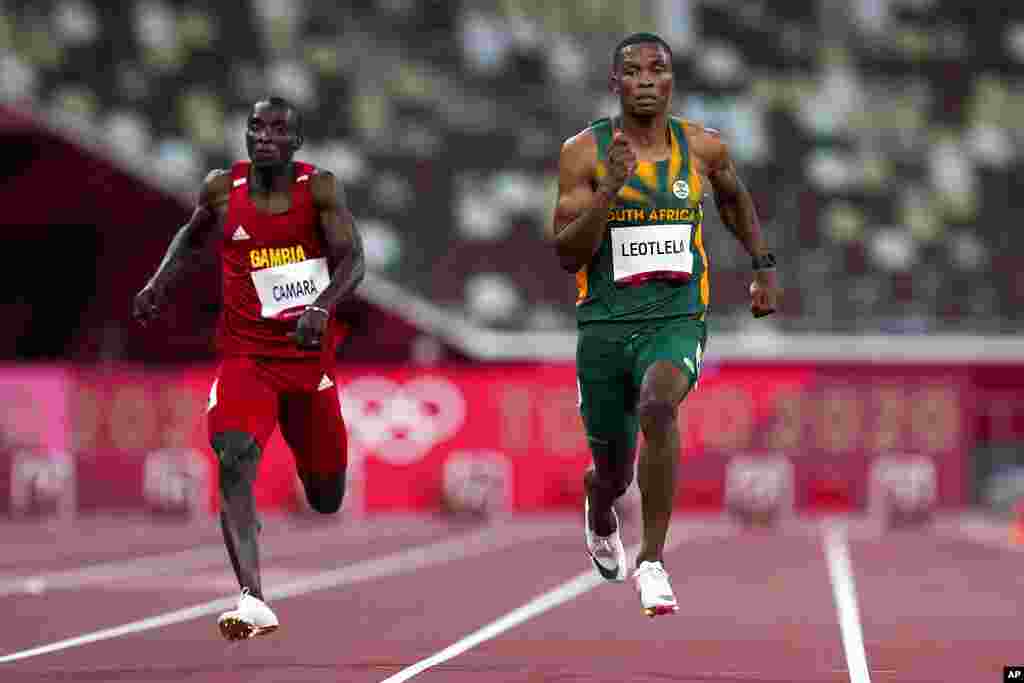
(358, 630)
(939, 609)
(134, 589)
(754, 607)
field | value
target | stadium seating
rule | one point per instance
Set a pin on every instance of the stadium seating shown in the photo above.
(881, 139)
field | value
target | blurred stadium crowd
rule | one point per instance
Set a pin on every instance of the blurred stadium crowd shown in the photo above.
(882, 139)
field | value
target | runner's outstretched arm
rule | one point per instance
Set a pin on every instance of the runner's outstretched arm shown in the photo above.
(738, 213)
(186, 246)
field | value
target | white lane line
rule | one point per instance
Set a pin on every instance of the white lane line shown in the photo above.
(280, 544)
(844, 592)
(146, 565)
(403, 562)
(578, 585)
(569, 590)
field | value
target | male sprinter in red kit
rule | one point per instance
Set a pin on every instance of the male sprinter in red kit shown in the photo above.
(290, 253)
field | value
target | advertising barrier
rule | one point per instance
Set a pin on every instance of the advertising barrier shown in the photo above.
(804, 436)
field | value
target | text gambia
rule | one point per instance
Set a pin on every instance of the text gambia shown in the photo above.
(270, 258)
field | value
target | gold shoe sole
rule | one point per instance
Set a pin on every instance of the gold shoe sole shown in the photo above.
(233, 628)
(660, 609)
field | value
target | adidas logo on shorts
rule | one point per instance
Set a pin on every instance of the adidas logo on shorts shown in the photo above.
(325, 383)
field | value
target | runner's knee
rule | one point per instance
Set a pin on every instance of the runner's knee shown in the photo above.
(325, 495)
(327, 503)
(657, 415)
(237, 455)
(613, 473)
(614, 484)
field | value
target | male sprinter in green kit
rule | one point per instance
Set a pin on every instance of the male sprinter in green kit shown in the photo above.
(628, 224)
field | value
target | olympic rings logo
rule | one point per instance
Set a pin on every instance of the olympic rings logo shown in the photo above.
(401, 422)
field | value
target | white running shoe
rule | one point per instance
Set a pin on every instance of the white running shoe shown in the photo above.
(655, 592)
(606, 552)
(251, 618)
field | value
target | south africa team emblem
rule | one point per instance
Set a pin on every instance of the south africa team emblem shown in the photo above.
(681, 189)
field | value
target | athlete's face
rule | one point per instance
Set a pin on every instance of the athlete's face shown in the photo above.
(644, 80)
(270, 135)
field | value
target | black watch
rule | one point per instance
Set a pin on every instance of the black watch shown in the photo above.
(765, 261)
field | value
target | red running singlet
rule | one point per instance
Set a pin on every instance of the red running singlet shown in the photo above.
(273, 266)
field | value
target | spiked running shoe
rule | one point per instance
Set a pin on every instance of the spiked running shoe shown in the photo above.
(606, 552)
(251, 618)
(656, 595)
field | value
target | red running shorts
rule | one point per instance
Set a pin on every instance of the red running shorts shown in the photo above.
(253, 395)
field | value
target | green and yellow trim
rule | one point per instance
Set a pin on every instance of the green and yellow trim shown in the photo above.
(582, 286)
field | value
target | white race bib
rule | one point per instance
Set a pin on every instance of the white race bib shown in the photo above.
(285, 291)
(639, 250)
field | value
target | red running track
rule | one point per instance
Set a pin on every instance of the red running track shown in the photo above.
(371, 598)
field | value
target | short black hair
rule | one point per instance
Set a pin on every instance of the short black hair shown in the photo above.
(637, 39)
(282, 103)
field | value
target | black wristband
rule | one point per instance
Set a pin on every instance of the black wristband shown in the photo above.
(765, 261)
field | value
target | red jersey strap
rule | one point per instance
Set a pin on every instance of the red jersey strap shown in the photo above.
(303, 171)
(238, 201)
(239, 173)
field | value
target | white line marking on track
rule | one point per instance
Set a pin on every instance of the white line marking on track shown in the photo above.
(576, 586)
(440, 552)
(147, 565)
(561, 594)
(844, 592)
(282, 543)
